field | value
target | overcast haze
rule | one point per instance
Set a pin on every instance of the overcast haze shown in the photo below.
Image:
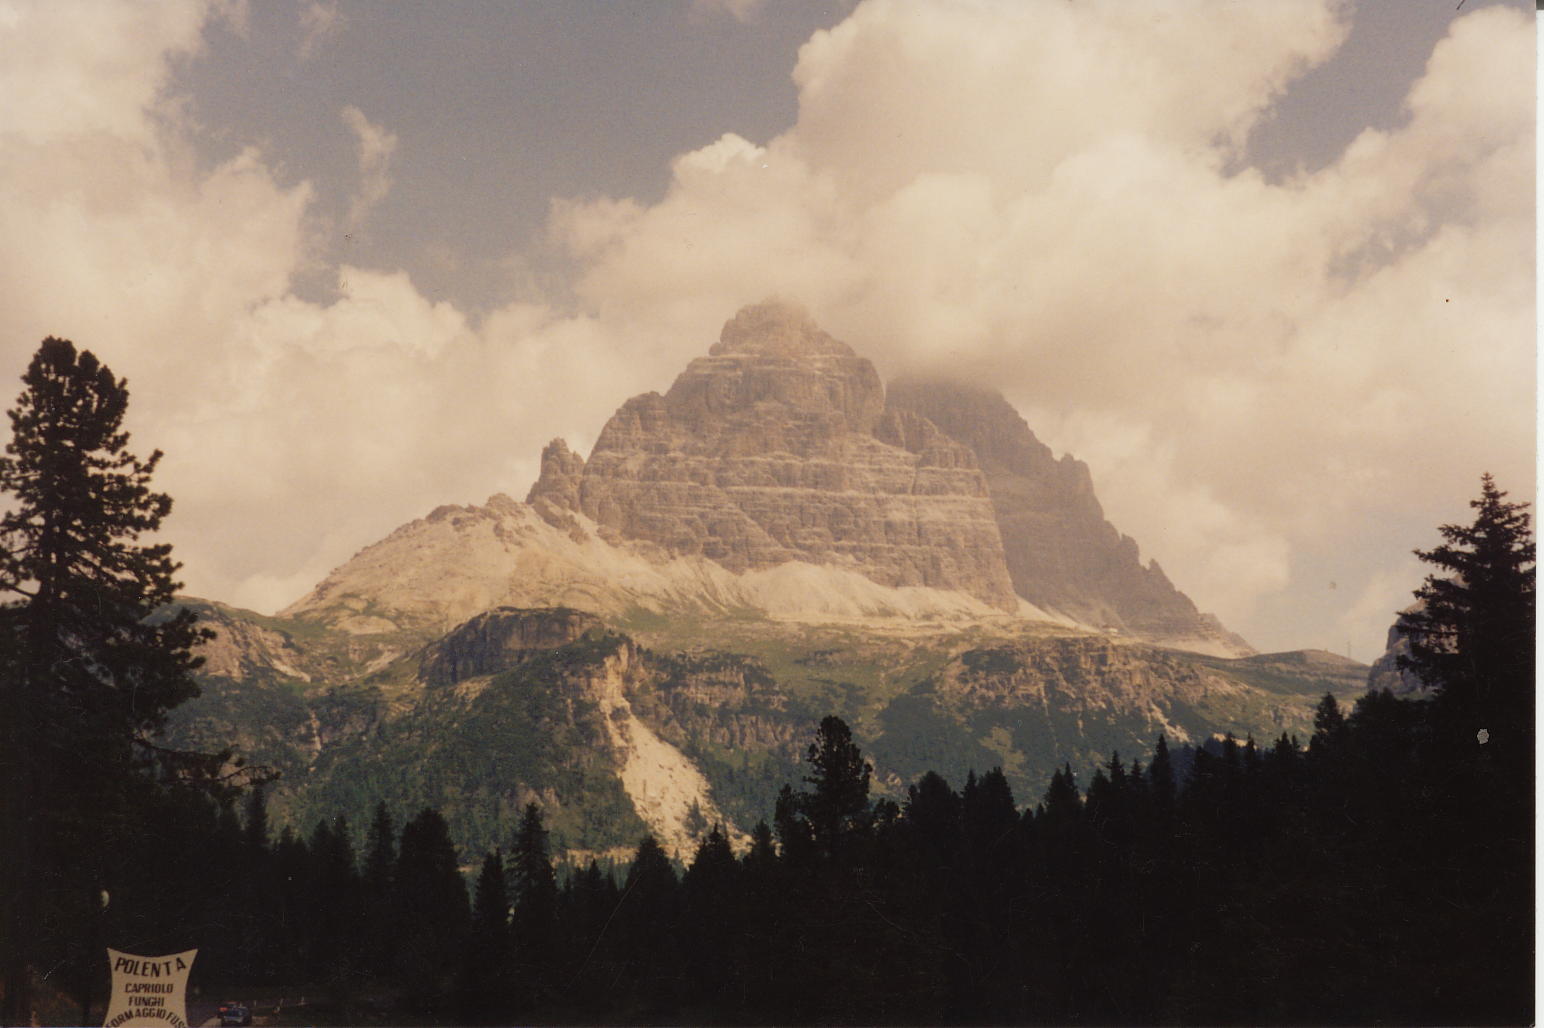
(1267, 267)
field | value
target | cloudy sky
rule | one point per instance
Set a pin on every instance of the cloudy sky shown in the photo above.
(1267, 266)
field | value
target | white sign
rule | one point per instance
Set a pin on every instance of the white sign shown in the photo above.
(149, 991)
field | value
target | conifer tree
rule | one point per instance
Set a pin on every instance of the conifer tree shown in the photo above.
(988, 811)
(1329, 728)
(376, 885)
(254, 826)
(647, 918)
(1162, 775)
(1063, 803)
(1472, 636)
(840, 776)
(763, 852)
(484, 984)
(431, 908)
(534, 893)
(89, 674)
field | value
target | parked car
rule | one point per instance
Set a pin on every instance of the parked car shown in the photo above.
(235, 1013)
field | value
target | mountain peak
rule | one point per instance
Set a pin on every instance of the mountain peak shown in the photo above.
(776, 327)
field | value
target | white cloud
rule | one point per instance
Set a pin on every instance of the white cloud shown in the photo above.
(375, 146)
(1038, 194)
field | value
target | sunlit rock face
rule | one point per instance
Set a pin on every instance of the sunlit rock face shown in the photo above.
(777, 447)
(1061, 553)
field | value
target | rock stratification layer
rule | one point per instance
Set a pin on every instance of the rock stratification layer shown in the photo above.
(1062, 555)
(777, 447)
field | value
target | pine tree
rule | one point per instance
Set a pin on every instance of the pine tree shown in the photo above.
(1063, 803)
(838, 806)
(1473, 635)
(534, 893)
(762, 855)
(489, 953)
(432, 913)
(89, 673)
(1162, 775)
(990, 817)
(648, 917)
(379, 873)
(254, 827)
(712, 914)
(1329, 727)
(334, 905)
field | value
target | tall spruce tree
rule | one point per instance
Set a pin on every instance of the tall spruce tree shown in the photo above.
(90, 670)
(533, 890)
(1472, 637)
(485, 981)
(432, 914)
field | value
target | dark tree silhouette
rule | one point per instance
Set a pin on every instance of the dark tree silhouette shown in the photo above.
(89, 673)
(838, 804)
(533, 891)
(431, 910)
(489, 953)
(647, 922)
(1472, 635)
(377, 877)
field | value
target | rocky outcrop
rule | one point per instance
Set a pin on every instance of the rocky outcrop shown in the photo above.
(242, 650)
(1061, 553)
(776, 447)
(1079, 674)
(498, 640)
(1386, 673)
(558, 486)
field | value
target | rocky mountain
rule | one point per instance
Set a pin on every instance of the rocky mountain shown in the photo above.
(648, 642)
(1062, 555)
(432, 574)
(777, 447)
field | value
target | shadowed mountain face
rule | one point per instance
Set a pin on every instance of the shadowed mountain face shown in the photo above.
(1062, 555)
(777, 447)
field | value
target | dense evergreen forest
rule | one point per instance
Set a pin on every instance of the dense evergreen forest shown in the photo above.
(1372, 877)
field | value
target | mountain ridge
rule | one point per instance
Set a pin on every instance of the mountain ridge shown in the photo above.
(647, 642)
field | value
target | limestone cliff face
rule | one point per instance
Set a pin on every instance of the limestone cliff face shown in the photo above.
(499, 639)
(777, 447)
(1061, 553)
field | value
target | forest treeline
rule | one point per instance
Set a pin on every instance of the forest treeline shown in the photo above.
(1371, 876)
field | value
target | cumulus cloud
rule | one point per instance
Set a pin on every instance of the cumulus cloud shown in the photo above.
(1053, 198)
(295, 432)
(374, 146)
